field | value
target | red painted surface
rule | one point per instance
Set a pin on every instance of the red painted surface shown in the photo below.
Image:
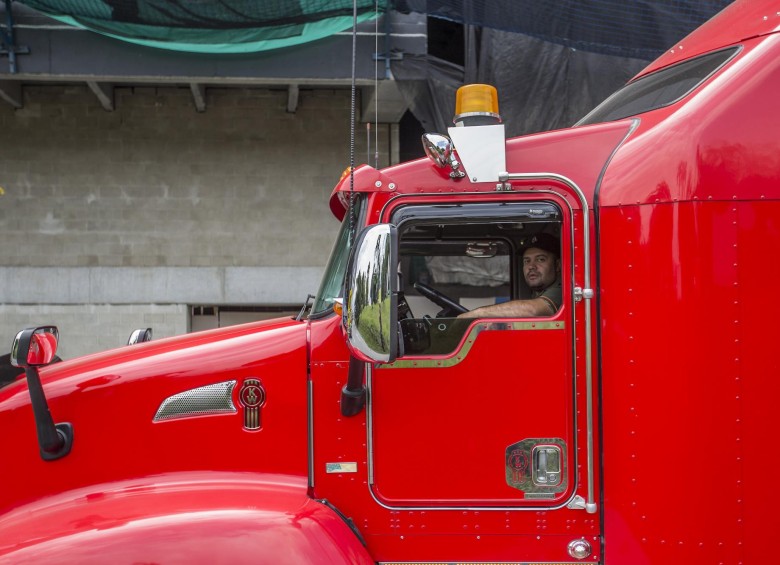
(481, 416)
(689, 375)
(737, 22)
(196, 517)
(111, 398)
(685, 224)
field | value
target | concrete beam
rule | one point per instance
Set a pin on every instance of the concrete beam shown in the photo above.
(104, 92)
(198, 96)
(11, 92)
(157, 285)
(292, 98)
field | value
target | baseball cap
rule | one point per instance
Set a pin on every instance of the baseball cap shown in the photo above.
(543, 241)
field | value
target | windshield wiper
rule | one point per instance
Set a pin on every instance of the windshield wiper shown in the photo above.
(306, 304)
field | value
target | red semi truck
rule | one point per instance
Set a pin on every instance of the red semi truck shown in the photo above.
(633, 425)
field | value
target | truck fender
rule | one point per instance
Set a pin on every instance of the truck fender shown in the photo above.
(181, 518)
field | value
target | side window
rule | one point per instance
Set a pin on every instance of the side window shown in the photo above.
(470, 264)
(473, 273)
(662, 88)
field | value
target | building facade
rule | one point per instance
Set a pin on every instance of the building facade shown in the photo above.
(176, 191)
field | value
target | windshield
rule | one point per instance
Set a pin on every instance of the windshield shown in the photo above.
(659, 89)
(333, 279)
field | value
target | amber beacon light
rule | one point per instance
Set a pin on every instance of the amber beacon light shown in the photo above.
(476, 105)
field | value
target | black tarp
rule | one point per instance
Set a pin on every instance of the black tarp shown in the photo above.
(552, 62)
(541, 85)
(639, 29)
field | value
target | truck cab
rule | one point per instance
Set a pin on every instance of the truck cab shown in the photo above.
(397, 423)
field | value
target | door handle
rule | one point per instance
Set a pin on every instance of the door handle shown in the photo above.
(546, 461)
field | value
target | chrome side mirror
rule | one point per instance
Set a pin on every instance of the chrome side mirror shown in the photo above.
(439, 149)
(371, 310)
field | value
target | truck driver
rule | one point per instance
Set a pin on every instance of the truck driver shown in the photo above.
(542, 273)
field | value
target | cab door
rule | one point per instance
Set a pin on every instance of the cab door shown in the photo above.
(491, 425)
(475, 413)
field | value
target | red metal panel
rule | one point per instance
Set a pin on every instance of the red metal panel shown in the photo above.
(688, 231)
(111, 399)
(688, 380)
(740, 20)
(199, 517)
(719, 143)
(579, 154)
(756, 375)
(440, 433)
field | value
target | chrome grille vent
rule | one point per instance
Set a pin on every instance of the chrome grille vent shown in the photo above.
(201, 401)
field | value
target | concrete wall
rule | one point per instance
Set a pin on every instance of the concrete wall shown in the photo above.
(116, 220)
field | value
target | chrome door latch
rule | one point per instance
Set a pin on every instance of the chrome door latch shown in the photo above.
(580, 293)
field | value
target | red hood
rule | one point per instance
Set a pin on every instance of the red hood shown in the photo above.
(111, 399)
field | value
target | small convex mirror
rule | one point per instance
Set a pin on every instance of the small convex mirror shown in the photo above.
(33, 347)
(438, 148)
(140, 336)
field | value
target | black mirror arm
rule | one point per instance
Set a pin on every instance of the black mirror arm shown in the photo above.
(353, 395)
(55, 441)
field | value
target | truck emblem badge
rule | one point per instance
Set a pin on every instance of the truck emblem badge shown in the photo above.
(517, 465)
(252, 398)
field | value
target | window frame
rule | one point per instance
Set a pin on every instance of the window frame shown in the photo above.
(493, 212)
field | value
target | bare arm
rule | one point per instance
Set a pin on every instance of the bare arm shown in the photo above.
(514, 309)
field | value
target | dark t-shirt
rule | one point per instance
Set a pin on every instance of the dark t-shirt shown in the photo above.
(553, 293)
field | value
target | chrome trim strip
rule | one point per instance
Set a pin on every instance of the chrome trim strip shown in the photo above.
(568, 503)
(370, 427)
(310, 431)
(206, 400)
(590, 506)
(457, 356)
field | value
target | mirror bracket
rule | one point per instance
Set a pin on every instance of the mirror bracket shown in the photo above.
(30, 351)
(65, 441)
(353, 395)
(352, 401)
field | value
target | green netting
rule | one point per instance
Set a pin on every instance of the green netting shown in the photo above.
(211, 26)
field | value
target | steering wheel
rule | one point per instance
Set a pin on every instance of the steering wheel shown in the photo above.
(438, 298)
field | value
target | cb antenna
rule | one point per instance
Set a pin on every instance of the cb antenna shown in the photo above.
(351, 210)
